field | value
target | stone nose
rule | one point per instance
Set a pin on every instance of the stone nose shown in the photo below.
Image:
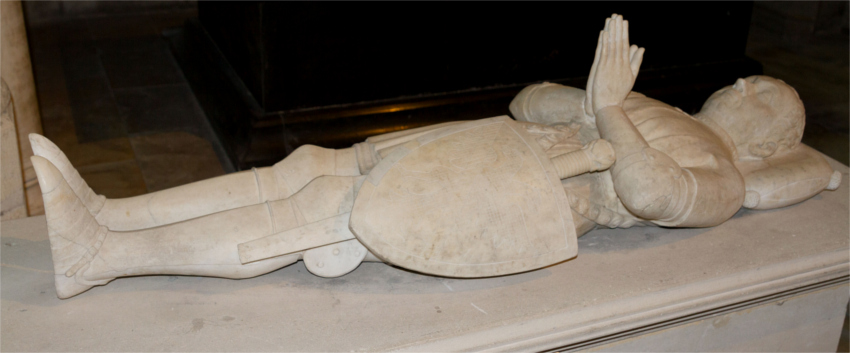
(743, 86)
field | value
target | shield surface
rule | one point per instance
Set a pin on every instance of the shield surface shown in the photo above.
(476, 199)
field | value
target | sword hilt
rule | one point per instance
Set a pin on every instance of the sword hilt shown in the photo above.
(594, 156)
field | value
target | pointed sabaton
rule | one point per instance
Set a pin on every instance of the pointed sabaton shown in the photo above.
(75, 236)
(43, 147)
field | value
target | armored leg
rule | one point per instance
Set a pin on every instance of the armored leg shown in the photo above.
(203, 197)
(87, 253)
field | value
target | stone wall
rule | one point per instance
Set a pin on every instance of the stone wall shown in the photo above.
(39, 12)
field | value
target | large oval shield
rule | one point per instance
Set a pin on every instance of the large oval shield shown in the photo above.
(472, 200)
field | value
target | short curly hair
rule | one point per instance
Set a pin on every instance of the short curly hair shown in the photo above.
(793, 116)
(757, 113)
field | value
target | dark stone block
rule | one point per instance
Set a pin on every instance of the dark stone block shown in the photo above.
(160, 108)
(95, 113)
(274, 76)
(138, 62)
(81, 60)
(304, 55)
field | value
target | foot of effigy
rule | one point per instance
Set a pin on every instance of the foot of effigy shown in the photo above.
(75, 236)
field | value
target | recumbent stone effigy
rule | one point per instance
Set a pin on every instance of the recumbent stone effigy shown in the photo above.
(463, 199)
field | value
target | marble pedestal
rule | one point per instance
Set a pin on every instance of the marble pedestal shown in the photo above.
(765, 280)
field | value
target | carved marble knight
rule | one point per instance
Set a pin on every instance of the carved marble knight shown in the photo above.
(464, 199)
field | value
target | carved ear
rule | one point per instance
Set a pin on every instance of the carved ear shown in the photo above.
(763, 150)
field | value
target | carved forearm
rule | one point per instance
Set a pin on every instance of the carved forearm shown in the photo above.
(648, 182)
(615, 126)
(651, 184)
(788, 179)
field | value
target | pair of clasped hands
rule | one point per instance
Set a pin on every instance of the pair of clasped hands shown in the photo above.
(612, 76)
(614, 69)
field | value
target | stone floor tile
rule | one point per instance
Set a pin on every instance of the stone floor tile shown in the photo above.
(49, 74)
(57, 121)
(119, 26)
(104, 151)
(139, 62)
(54, 104)
(159, 109)
(64, 31)
(42, 43)
(81, 60)
(81, 115)
(160, 22)
(58, 125)
(96, 116)
(174, 158)
(115, 180)
(52, 92)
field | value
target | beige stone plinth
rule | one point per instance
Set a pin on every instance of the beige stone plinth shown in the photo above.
(16, 70)
(13, 204)
(625, 283)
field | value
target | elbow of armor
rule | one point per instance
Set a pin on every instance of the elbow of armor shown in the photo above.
(648, 184)
(549, 103)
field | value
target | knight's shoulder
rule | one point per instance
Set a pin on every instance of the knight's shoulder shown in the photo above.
(636, 99)
(633, 95)
(640, 107)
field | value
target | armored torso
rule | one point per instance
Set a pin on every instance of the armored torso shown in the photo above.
(685, 139)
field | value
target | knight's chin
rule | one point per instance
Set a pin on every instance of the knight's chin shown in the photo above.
(711, 112)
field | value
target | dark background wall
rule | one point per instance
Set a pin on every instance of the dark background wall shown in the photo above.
(333, 74)
(307, 55)
(803, 43)
(807, 45)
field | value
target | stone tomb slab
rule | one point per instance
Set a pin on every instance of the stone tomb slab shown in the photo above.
(623, 284)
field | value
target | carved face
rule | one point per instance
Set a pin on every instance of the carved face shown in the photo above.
(761, 114)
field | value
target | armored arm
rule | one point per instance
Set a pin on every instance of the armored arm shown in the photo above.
(787, 179)
(654, 187)
(648, 182)
(550, 104)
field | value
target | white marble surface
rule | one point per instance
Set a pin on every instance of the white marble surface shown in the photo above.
(621, 278)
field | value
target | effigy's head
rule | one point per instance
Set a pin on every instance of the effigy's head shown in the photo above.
(761, 114)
